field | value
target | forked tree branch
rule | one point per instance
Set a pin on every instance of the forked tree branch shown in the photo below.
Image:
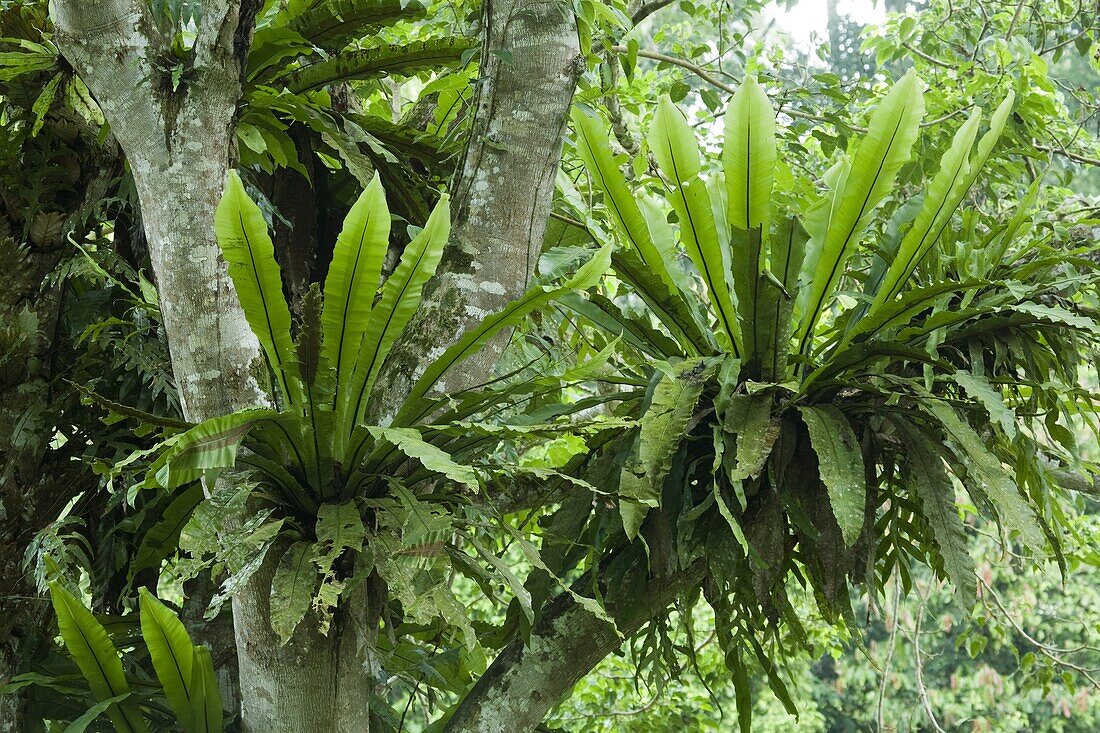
(225, 35)
(111, 45)
(639, 10)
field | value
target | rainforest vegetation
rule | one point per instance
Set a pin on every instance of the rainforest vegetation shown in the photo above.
(549, 365)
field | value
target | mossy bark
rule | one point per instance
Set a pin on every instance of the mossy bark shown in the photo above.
(503, 191)
(178, 141)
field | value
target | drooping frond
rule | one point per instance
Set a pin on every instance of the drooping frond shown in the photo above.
(373, 62)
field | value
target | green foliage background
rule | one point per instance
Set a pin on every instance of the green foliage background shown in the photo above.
(1024, 657)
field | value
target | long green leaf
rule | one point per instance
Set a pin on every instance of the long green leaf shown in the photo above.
(926, 474)
(985, 474)
(661, 430)
(416, 406)
(943, 195)
(776, 296)
(902, 267)
(206, 700)
(405, 59)
(159, 542)
(673, 144)
(608, 318)
(400, 299)
(333, 24)
(840, 465)
(677, 312)
(271, 45)
(292, 590)
(411, 443)
(979, 388)
(749, 157)
(742, 691)
(211, 444)
(79, 725)
(620, 200)
(246, 246)
(172, 655)
(746, 257)
(353, 277)
(899, 312)
(97, 658)
(881, 153)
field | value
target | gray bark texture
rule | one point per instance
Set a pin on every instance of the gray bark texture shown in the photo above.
(314, 682)
(503, 191)
(178, 144)
(525, 681)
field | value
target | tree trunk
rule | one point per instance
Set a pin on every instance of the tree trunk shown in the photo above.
(503, 192)
(178, 143)
(567, 642)
(314, 682)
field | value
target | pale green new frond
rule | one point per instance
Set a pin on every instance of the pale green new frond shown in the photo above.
(944, 193)
(399, 301)
(353, 277)
(881, 153)
(749, 157)
(98, 660)
(172, 655)
(246, 245)
(673, 144)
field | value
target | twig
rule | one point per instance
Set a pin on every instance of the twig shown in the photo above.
(568, 220)
(930, 59)
(1052, 653)
(1015, 19)
(729, 89)
(889, 656)
(693, 68)
(922, 690)
(639, 11)
(1067, 154)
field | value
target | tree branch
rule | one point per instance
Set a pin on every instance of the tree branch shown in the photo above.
(683, 64)
(1071, 480)
(703, 74)
(1068, 154)
(225, 34)
(110, 45)
(567, 642)
(530, 63)
(639, 10)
